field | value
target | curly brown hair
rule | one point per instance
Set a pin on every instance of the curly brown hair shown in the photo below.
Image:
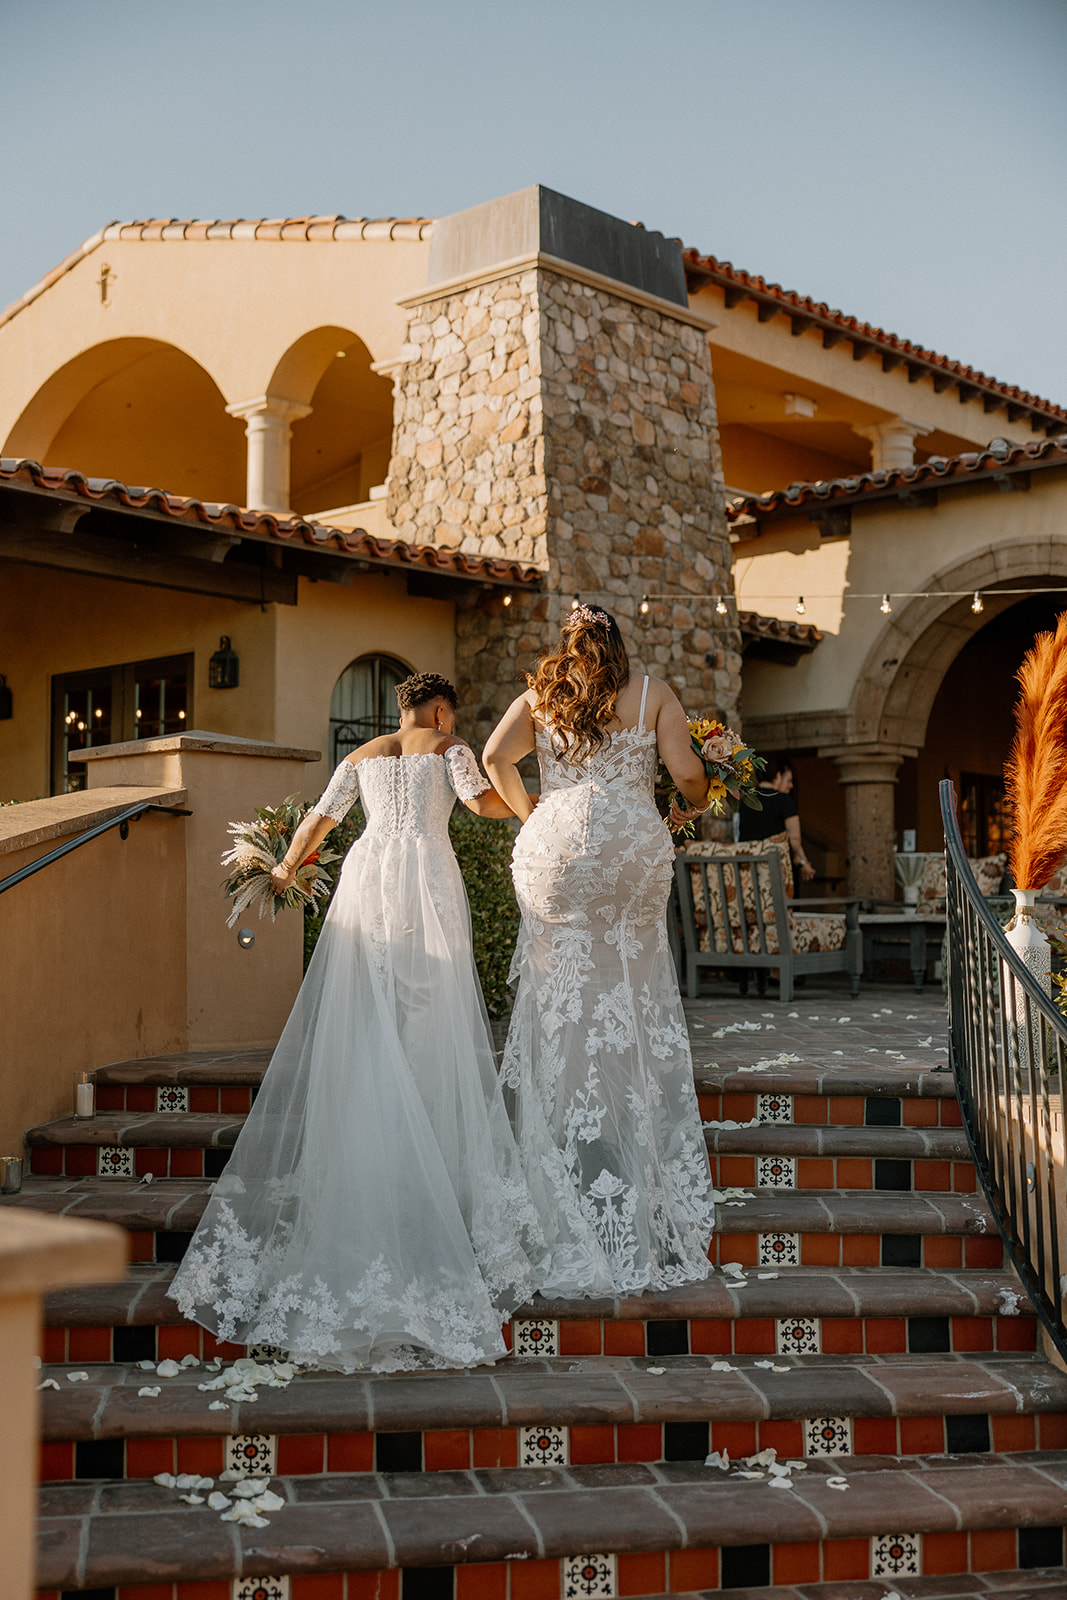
(421, 688)
(576, 685)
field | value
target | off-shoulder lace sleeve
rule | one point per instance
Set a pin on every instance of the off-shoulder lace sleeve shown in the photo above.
(463, 773)
(340, 795)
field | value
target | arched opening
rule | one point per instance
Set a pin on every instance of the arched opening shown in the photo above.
(139, 411)
(363, 704)
(340, 451)
(970, 729)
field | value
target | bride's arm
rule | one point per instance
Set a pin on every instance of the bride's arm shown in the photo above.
(677, 753)
(305, 841)
(509, 742)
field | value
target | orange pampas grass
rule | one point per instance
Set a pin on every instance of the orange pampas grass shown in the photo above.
(1036, 770)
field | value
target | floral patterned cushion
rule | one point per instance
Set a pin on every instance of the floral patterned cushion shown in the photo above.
(988, 870)
(812, 931)
(808, 932)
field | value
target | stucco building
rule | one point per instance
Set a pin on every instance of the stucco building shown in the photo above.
(396, 445)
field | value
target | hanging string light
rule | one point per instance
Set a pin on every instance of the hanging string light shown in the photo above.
(575, 603)
(646, 605)
(720, 606)
(801, 607)
(508, 598)
(978, 604)
(885, 608)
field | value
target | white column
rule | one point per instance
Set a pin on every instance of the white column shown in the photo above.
(893, 442)
(268, 424)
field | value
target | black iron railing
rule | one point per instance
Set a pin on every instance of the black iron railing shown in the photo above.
(121, 821)
(1008, 1048)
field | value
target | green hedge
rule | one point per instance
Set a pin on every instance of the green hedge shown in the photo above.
(483, 848)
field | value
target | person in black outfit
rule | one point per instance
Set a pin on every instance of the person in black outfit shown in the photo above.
(779, 814)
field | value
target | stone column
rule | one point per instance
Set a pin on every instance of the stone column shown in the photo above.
(868, 774)
(556, 408)
(893, 442)
(268, 424)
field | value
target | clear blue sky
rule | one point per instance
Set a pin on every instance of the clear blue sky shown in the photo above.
(904, 160)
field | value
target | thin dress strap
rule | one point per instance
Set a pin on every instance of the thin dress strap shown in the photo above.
(641, 713)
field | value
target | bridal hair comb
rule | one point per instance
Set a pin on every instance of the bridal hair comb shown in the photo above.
(588, 614)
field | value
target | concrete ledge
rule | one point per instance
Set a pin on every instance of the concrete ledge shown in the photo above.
(223, 744)
(39, 1253)
(42, 821)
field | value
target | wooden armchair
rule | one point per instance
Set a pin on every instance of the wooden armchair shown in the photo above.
(736, 915)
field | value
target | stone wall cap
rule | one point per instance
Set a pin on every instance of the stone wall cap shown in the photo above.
(512, 267)
(222, 744)
(39, 1252)
(34, 822)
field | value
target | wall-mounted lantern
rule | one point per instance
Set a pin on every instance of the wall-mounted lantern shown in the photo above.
(224, 669)
(6, 704)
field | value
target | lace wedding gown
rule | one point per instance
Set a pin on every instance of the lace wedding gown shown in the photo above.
(597, 1060)
(373, 1212)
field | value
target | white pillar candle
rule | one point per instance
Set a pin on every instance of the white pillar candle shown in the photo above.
(84, 1098)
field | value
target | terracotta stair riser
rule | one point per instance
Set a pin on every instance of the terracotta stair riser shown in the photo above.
(447, 1450)
(945, 1251)
(849, 1172)
(81, 1161)
(655, 1572)
(820, 1110)
(231, 1099)
(593, 1337)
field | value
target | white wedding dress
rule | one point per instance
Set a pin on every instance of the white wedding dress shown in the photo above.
(373, 1212)
(597, 1062)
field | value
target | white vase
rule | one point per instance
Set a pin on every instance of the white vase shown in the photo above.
(1029, 941)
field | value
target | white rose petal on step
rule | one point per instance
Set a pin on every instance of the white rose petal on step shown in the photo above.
(781, 1483)
(190, 1361)
(48, 1383)
(77, 1377)
(722, 1366)
(767, 1364)
(752, 1475)
(166, 1480)
(217, 1501)
(212, 1385)
(762, 1458)
(657, 1372)
(765, 1276)
(150, 1391)
(841, 1483)
(783, 1369)
(187, 1480)
(168, 1369)
(718, 1458)
(268, 1501)
(192, 1499)
(218, 1405)
(147, 1366)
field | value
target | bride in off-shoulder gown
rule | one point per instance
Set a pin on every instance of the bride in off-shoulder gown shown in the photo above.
(373, 1213)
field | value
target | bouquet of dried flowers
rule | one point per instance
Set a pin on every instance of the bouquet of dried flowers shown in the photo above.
(258, 847)
(732, 767)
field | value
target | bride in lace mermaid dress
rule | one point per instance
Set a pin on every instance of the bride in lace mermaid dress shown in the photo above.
(597, 1062)
(373, 1212)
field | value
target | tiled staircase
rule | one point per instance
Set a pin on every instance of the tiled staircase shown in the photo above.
(867, 1329)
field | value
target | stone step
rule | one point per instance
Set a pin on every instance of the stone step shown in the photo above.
(188, 1067)
(848, 1311)
(555, 1412)
(833, 1227)
(870, 1089)
(127, 1144)
(806, 1156)
(675, 1526)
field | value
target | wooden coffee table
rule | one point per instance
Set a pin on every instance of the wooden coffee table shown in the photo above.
(884, 932)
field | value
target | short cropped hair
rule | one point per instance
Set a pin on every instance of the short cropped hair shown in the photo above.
(421, 688)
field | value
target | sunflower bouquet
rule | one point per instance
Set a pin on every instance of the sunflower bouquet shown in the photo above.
(732, 768)
(258, 847)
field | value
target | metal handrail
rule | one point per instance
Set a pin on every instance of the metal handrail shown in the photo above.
(121, 822)
(1007, 1045)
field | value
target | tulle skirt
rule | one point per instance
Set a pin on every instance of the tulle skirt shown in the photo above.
(373, 1213)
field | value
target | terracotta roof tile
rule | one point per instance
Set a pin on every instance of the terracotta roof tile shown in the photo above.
(67, 483)
(1000, 458)
(754, 625)
(167, 229)
(740, 285)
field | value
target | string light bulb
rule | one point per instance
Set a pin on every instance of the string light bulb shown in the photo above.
(885, 608)
(801, 607)
(720, 606)
(508, 598)
(646, 605)
(977, 604)
(575, 603)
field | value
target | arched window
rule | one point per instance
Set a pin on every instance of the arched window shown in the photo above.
(363, 704)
